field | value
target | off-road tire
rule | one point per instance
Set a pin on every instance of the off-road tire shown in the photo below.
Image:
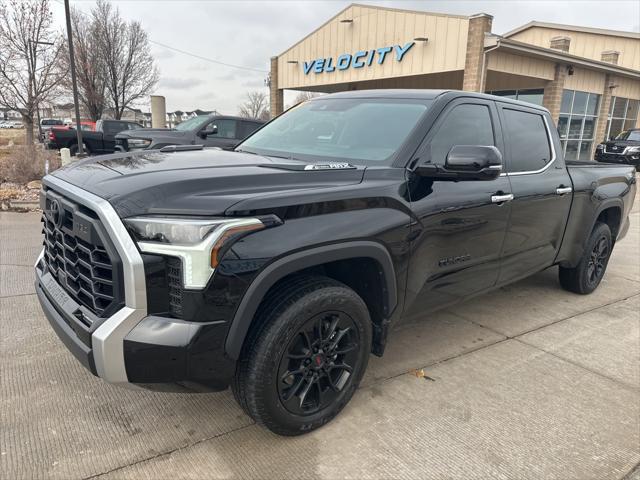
(281, 316)
(579, 279)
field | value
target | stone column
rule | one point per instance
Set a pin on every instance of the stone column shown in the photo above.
(276, 95)
(603, 111)
(473, 79)
(158, 112)
(552, 97)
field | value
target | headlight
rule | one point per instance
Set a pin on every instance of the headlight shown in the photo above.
(197, 242)
(138, 142)
(633, 149)
(600, 146)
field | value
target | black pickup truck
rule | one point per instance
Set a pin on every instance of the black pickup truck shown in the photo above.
(208, 130)
(279, 267)
(98, 142)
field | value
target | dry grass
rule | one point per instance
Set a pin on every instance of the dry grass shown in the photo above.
(15, 136)
(20, 164)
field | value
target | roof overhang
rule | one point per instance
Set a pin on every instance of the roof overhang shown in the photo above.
(573, 28)
(496, 42)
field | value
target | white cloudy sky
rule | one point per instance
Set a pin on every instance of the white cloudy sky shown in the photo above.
(248, 33)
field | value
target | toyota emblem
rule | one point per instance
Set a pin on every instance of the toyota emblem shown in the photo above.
(54, 213)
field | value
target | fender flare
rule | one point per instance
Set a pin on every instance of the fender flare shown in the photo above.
(607, 204)
(298, 261)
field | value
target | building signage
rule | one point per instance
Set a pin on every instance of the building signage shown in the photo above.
(360, 59)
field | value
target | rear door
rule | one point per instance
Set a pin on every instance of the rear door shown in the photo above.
(460, 226)
(542, 192)
(247, 128)
(109, 130)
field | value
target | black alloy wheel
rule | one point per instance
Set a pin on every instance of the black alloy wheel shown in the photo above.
(585, 277)
(598, 260)
(305, 355)
(318, 362)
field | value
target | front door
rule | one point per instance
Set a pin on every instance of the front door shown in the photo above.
(459, 226)
(542, 192)
(225, 134)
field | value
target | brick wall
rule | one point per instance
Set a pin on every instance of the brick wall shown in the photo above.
(553, 92)
(276, 95)
(473, 66)
(603, 112)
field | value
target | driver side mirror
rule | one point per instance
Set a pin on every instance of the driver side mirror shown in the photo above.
(466, 162)
(209, 130)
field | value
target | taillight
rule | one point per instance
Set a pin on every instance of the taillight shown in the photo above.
(52, 136)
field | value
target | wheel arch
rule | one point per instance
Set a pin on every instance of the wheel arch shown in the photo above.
(611, 214)
(298, 262)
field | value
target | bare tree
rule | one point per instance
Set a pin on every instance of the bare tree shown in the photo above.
(90, 69)
(131, 73)
(30, 53)
(256, 105)
(304, 96)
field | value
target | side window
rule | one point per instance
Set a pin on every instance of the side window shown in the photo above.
(226, 128)
(248, 128)
(467, 124)
(528, 141)
(114, 127)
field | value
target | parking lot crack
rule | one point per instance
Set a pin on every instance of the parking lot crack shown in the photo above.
(169, 452)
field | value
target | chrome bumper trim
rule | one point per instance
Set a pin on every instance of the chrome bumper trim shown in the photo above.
(108, 339)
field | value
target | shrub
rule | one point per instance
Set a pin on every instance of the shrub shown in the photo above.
(22, 164)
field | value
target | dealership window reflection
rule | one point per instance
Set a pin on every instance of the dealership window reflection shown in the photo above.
(622, 116)
(531, 95)
(577, 123)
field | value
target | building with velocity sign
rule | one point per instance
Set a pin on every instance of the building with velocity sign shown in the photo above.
(588, 78)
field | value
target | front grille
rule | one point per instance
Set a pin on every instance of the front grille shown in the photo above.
(174, 281)
(610, 149)
(78, 255)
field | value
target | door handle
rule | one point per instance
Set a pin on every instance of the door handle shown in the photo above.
(562, 190)
(499, 199)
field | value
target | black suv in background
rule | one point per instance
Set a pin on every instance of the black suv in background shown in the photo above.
(624, 148)
(207, 130)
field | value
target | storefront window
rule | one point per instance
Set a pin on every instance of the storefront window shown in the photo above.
(530, 95)
(576, 124)
(622, 115)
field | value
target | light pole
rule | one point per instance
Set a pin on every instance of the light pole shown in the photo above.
(34, 66)
(74, 85)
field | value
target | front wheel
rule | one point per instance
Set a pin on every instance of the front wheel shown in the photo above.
(588, 274)
(305, 358)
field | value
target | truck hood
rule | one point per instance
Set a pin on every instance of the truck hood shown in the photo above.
(152, 133)
(204, 182)
(621, 144)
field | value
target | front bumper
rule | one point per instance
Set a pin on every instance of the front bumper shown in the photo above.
(131, 346)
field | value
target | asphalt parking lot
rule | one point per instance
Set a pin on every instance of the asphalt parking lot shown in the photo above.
(528, 382)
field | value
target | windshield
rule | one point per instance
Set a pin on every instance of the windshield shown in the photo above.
(633, 135)
(366, 130)
(192, 124)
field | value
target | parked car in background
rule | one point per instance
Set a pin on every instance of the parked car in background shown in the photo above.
(623, 148)
(208, 130)
(12, 124)
(46, 124)
(279, 267)
(99, 141)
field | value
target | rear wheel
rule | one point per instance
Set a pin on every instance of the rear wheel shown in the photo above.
(303, 362)
(588, 274)
(74, 149)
